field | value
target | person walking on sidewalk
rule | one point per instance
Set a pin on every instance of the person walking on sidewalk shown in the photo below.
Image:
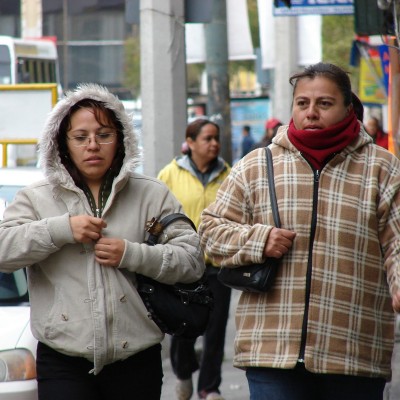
(375, 130)
(325, 329)
(271, 128)
(80, 231)
(247, 140)
(194, 178)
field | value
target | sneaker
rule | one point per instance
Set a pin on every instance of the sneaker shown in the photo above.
(214, 396)
(184, 389)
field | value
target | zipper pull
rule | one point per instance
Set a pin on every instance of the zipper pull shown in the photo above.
(316, 176)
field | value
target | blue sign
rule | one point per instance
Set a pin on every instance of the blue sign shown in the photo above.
(312, 7)
(248, 111)
(384, 54)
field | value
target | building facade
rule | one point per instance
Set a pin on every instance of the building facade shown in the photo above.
(91, 39)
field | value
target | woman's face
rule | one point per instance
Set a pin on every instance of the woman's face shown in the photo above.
(372, 127)
(206, 146)
(91, 158)
(318, 103)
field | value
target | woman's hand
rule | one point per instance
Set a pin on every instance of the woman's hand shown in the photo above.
(86, 229)
(279, 242)
(109, 251)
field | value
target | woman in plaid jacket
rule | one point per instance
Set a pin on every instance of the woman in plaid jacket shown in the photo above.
(325, 330)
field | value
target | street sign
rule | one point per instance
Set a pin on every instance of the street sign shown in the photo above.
(308, 7)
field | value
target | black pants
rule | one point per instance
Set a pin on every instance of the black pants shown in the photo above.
(182, 353)
(61, 377)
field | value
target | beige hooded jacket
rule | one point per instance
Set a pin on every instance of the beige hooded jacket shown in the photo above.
(79, 307)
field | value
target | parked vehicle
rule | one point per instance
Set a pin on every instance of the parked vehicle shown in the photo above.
(14, 179)
(17, 344)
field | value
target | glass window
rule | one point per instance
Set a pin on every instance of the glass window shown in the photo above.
(8, 192)
(5, 65)
(13, 286)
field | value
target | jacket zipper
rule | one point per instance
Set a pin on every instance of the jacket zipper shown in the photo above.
(309, 268)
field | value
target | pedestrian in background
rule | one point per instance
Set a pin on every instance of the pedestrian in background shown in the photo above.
(271, 128)
(194, 179)
(81, 232)
(325, 329)
(375, 130)
(247, 140)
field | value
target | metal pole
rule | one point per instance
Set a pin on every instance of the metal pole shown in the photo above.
(218, 103)
(163, 81)
(65, 44)
(286, 62)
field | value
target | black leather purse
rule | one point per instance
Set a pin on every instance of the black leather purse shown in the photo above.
(257, 278)
(182, 309)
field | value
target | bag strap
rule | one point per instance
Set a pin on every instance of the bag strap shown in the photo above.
(155, 227)
(271, 186)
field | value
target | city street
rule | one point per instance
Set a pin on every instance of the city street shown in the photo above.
(234, 383)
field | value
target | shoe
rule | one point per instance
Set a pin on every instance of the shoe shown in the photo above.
(184, 389)
(214, 396)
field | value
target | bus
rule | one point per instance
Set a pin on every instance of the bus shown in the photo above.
(25, 62)
(28, 61)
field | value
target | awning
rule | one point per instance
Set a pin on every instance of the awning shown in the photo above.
(240, 46)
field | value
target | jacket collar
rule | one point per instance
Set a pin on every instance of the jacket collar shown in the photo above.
(184, 163)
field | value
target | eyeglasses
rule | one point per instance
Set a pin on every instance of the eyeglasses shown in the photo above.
(100, 138)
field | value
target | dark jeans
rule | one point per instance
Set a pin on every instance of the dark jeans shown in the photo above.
(183, 357)
(299, 384)
(61, 377)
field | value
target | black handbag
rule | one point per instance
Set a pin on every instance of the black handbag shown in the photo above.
(257, 278)
(182, 309)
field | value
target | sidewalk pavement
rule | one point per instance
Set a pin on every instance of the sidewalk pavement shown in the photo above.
(234, 383)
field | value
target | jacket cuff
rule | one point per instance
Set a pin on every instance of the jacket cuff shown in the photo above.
(60, 230)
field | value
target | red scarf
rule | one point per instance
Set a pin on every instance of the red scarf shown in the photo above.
(318, 145)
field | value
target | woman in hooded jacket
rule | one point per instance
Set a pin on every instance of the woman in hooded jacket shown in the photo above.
(81, 232)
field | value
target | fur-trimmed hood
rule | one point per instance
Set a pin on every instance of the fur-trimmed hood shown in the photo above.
(50, 159)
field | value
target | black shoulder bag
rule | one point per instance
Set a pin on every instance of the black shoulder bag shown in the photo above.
(182, 309)
(256, 277)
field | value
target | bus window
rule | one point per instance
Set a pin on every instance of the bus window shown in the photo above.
(46, 72)
(36, 61)
(35, 69)
(52, 71)
(22, 72)
(40, 71)
(5, 65)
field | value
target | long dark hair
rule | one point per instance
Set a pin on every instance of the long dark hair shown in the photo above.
(194, 128)
(105, 117)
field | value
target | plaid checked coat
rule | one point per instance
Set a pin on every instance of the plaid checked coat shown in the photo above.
(342, 267)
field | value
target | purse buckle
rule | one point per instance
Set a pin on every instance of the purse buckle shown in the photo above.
(154, 227)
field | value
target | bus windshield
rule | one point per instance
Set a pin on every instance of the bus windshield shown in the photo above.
(28, 61)
(30, 70)
(5, 65)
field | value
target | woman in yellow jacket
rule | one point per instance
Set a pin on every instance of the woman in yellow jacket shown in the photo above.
(194, 179)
